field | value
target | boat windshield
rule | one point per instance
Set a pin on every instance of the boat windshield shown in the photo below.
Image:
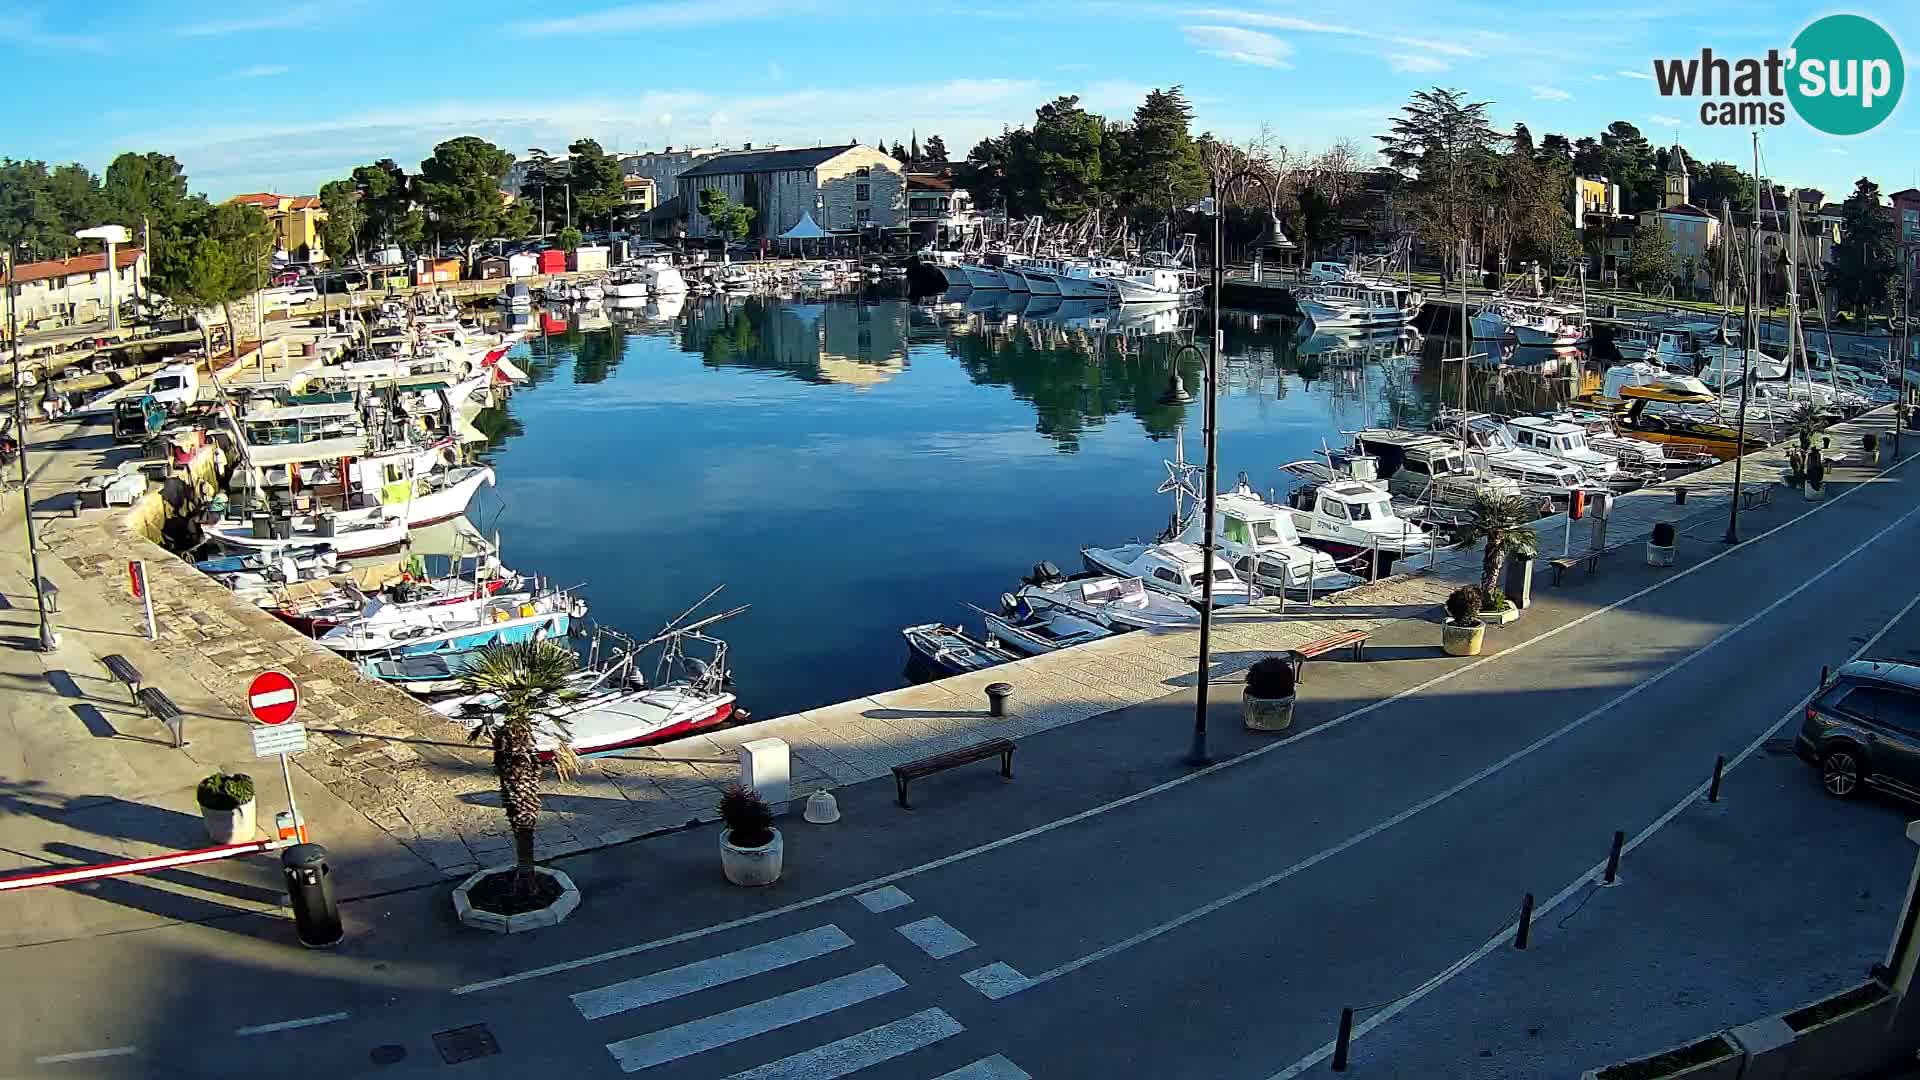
(1359, 511)
(1266, 532)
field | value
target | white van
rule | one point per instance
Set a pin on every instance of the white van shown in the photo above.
(176, 386)
(1328, 272)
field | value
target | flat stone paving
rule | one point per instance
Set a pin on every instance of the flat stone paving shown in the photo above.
(416, 776)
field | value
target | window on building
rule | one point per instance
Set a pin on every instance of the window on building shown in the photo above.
(866, 216)
(863, 172)
(862, 192)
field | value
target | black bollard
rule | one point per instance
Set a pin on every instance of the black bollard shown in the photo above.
(1525, 930)
(1719, 766)
(1680, 495)
(997, 695)
(1823, 674)
(1341, 1041)
(310, 893)
(1613, 858)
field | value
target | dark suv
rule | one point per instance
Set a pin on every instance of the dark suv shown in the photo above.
(1863, 730)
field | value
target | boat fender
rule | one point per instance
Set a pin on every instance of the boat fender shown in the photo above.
(578, 609)
(1007, 603)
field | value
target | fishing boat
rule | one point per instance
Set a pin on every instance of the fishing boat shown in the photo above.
(1529, 323)
(1174, 568)
(351, 533)
(1031, 632)
(1353, 520)
(436, 673)
(1430, 476)
(404, 629)
(1566, 442)
(1154, 285)
(1360, 305)
(1264, 547)
(291, 564)
(1118, 603)
(942, 650)
(1492, 450)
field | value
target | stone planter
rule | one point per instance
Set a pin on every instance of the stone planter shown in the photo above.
(753, 866)
(1462, 640)
(1711, 1058)
(1502, 616)
(1266, 714)
(1813, 494)
(1658, 555)
(1847, 1044)
(229, 826)
(552, 915)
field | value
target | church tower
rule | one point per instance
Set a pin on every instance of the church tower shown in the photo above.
(1678, 185)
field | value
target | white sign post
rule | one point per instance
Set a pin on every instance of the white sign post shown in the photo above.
(273, 697)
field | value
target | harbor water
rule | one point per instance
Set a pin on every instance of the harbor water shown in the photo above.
(853, 465)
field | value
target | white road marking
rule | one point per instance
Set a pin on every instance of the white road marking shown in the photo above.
(290, 1025)
(886, 899)
(711, 972)
(1431, 801)
(1591, 874)
(1158, 789)
(996, 1067)
(996, 980)
(856, 1052)
(85, 1055)
(936, 937)
(720, 1029)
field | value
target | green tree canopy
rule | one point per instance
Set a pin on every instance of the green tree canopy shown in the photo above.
(1447, 145)
(599, 190)
(346, 220)
(459, 188)
(935, 150)
(1865, 265)
(226, 252)
(1652, 264)
(386, 200)
(730, 220)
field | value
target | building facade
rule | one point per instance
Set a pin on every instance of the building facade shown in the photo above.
(848, 189)
(938, 213)
(1691, 230)
(642, 194)
(296, 224)
(75, 290)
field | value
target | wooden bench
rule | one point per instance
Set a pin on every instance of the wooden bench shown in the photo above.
(951, 759)
(161, 708)
(1561, 566)
(1300, 654)
(124, 673)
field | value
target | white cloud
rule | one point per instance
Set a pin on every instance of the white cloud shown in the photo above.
(1625, 74)
(23, 28)
(1412, 62)
(1599, 78)
(1272, 22)
(1663, 120)
(262, 71)
(285, 18)
(665, 15)
(1445, 48)
(1550, 93)
(1240, 45)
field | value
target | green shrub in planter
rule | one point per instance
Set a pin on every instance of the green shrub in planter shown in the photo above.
(225, 791)
(1463, 606)
(1271, 677)
(1663, 534)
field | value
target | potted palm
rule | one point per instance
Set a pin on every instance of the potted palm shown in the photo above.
(1267, 702)
(226, 805)
(1805, 424)
(1661, 544)
(526, 681)
(1504, 523)
(751, 851)
(1463, 632)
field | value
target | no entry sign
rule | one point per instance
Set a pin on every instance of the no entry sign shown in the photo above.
(272, 697)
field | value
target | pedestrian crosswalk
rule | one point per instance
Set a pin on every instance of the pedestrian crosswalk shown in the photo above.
(718, 1041)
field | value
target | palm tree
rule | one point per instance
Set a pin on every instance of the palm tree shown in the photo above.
(1505, 523)
(527, 679)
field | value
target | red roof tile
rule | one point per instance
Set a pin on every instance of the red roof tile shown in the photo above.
(82, 264)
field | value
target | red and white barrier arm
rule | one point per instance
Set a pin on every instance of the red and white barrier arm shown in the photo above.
(71, 874)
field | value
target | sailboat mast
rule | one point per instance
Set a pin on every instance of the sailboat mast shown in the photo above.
(1464, 345)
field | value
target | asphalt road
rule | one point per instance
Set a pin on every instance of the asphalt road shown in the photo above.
(1153, 922)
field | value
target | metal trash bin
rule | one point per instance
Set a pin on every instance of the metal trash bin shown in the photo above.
(316, 917)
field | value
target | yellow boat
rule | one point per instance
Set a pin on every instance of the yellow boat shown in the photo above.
(1669, 410)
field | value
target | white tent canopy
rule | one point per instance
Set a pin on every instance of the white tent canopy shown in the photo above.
(804, 229)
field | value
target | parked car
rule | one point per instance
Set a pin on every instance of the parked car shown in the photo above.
(1863, 730)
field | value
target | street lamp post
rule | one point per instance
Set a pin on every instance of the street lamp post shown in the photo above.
(1197, 755)
(47, 639)
(1751, 338)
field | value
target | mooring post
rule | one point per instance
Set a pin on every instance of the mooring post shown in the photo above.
(1342, 1040)
(1719, 766)
(1613, 858)
(1525, 929)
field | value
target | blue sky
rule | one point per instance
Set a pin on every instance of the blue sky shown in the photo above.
(284, 96)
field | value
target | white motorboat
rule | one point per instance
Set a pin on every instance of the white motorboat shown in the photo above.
(1631, 453)
(627, 288)
(1425, 472)
(1265, 548)
(1154, 285)
(1359, 305)
(1563, 442)
(1119, 603)
(1353, 520)
(1031, 632)
(661, 278)
(408, 630)
(1530, 324)
(1175, 568)
(369, 531)
(1086, 279)
(1492, 450)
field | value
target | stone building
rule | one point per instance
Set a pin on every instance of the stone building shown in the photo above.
(848, 189)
